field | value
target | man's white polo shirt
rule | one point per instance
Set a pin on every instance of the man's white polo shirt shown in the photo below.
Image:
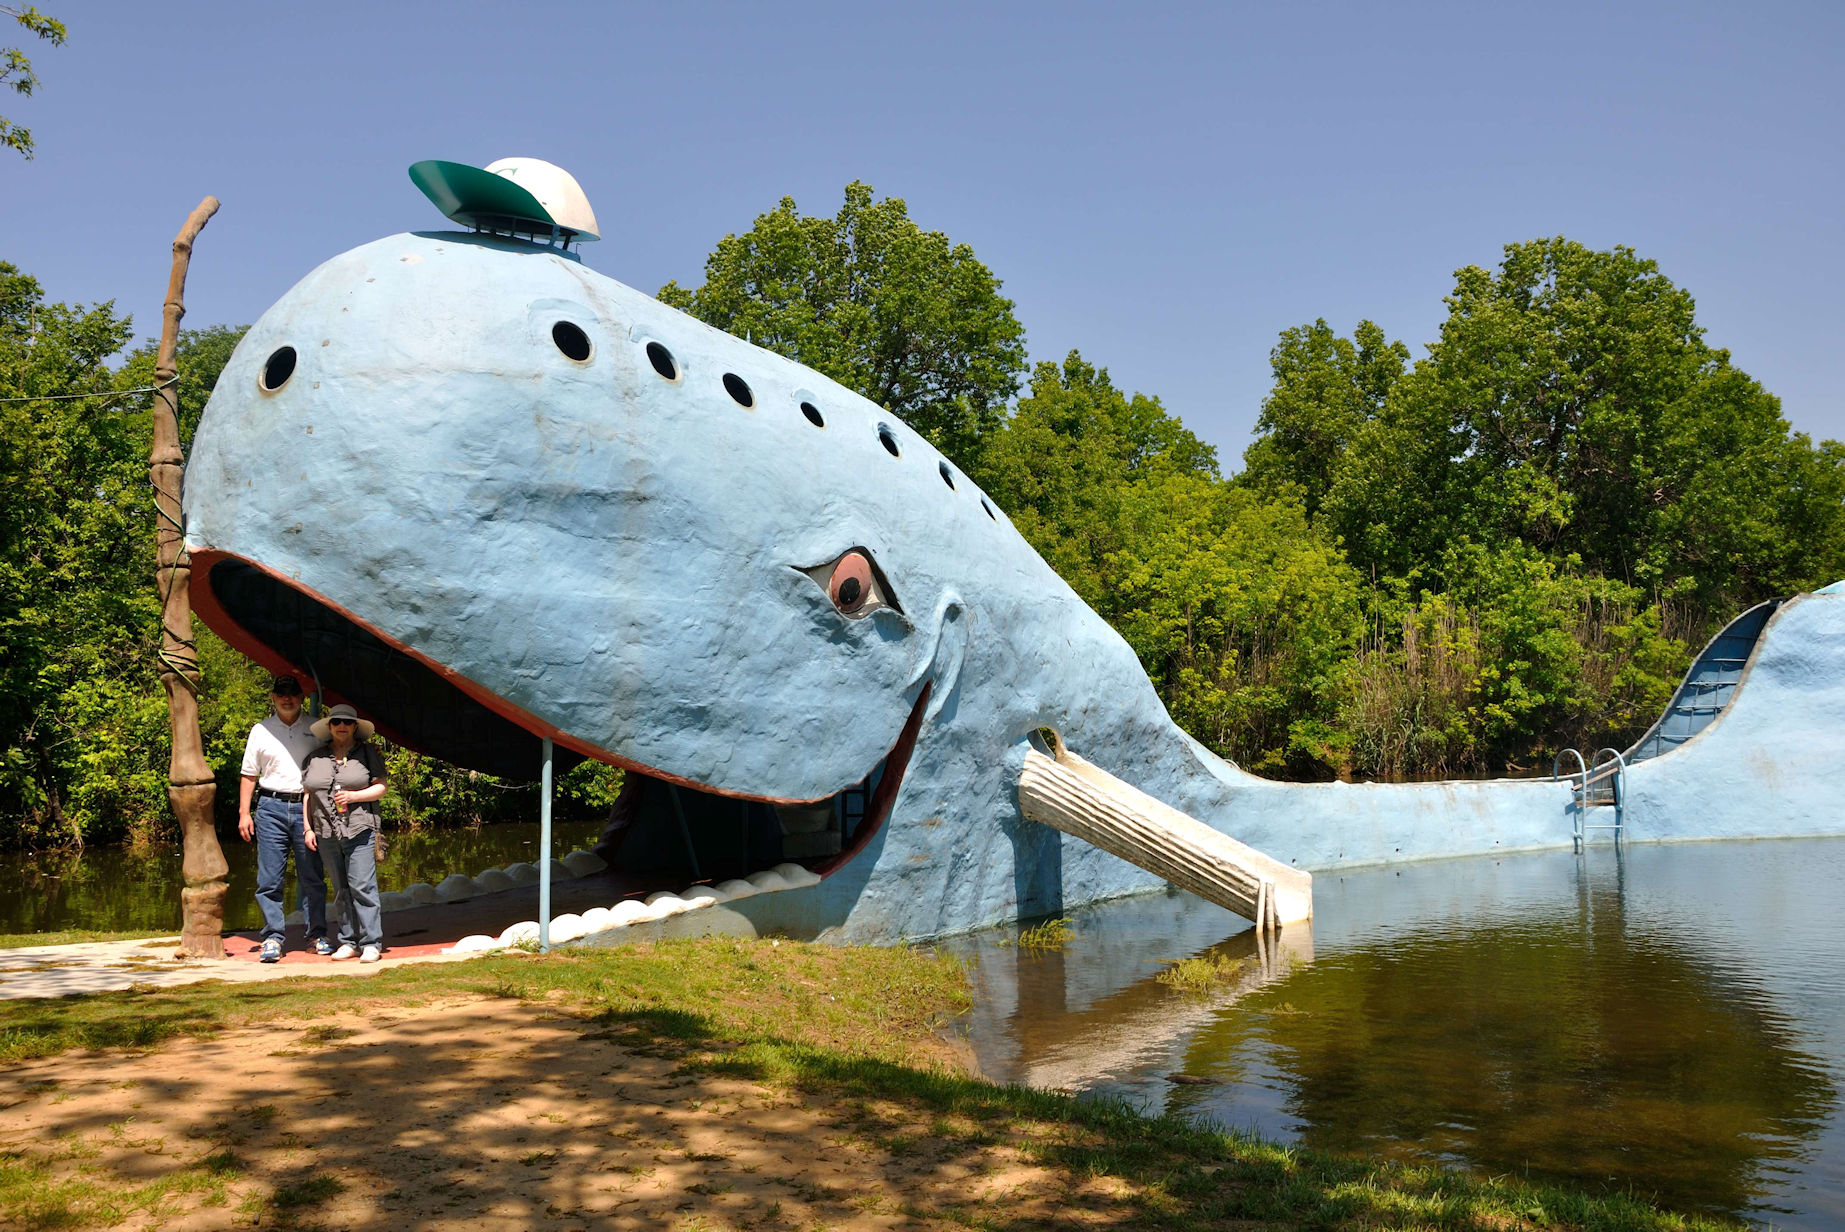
(274, 752)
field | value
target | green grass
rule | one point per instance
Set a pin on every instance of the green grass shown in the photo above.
(852, 1026)
(70, 936)
(1047, 935)
(1201, 974)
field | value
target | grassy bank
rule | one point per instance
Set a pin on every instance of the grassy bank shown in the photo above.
(839, 1028)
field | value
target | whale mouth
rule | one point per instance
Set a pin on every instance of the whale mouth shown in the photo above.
(666, 831)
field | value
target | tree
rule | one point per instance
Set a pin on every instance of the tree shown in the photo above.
(77, 614)
(16, 69)
(1059, 463)
(1326, 389)
(1570, 404)
(901, 315)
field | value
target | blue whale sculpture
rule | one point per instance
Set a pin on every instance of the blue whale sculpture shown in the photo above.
(489, 495)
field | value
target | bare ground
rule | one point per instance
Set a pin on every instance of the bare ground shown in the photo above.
(492, 1114)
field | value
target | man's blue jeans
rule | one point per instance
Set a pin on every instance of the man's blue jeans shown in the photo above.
(278, 832)
(354, 865)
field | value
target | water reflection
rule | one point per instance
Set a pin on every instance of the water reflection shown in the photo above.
(1670, 1022)
(116, 889)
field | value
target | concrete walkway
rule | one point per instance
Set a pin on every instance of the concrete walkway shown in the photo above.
(418, 934)
(115, 966)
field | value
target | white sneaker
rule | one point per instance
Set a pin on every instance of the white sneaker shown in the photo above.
(345, 951)
(370, 953)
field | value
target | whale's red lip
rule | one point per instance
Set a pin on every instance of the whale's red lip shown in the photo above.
(397, 669)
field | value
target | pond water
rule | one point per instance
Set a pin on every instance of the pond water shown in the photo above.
(1667, 1021)
(114, 888)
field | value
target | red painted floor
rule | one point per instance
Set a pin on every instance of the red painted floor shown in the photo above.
(432, 929)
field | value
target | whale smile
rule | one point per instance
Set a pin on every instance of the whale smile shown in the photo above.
(674, 830)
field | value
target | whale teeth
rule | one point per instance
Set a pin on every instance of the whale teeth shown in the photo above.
(629, 911)
(659, 905)
(566, 928)
(395, 900)
(525, 932)
(421, 893)
(456, 887)
(492, 881)
(583, 863)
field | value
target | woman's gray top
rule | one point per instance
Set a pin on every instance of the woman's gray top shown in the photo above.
(362, 766)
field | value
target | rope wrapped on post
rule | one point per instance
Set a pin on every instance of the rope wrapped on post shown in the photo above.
(1069, 794)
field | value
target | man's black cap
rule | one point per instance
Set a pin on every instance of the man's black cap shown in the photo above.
(285, 686)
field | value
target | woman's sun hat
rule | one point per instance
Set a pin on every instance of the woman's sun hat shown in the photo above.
(323, 726)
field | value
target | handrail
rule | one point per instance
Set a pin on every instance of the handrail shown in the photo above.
(1581, 791)
(1618, 777)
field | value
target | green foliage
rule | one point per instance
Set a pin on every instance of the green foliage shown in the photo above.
(1571, 404)
(1569, 492)
(901, 315)
(427, 792)
(1238, 607)
(16, 69)
(75, 638)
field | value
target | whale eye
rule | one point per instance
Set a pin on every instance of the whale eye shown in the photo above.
(854, 584)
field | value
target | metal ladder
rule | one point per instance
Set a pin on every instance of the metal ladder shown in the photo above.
(1602, 784)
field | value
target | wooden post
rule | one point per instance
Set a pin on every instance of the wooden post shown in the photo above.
(190, 785)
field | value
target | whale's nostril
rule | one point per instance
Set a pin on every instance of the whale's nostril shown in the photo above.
(278, 369)
(571, 340)
(888, 439)
(813, 414)
(947, 475)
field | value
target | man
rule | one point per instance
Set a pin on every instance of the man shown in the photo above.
(272, 758)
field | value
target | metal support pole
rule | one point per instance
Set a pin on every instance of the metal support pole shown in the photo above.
(544, 865)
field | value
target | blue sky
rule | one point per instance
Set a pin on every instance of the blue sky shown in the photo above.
(1164, 187)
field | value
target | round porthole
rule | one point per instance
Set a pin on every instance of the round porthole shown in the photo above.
(662, 361)
(571, 340)
(947, 477)
(737, 388)
(279, 367)
(813, 414)
(889, 442)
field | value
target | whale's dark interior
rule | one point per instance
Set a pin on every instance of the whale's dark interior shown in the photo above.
(677, 832)
(404, 696)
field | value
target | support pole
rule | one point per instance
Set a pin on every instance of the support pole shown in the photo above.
(544, 866)
(190, 783)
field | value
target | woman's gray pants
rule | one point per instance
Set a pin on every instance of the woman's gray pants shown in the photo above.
(353, 869)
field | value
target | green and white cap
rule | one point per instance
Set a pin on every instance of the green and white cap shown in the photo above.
(527, 196)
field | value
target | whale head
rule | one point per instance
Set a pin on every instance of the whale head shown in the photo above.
(488, 495)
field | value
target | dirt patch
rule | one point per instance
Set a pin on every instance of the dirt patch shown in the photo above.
(491, 1114)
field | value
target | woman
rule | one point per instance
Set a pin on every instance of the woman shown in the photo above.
(342, 781)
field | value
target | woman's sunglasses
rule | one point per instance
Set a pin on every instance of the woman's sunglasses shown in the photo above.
(342, 722)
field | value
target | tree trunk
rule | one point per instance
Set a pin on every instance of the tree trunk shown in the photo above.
(190, 783)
